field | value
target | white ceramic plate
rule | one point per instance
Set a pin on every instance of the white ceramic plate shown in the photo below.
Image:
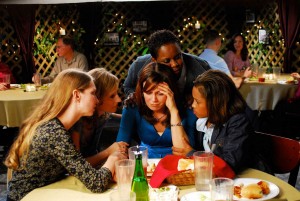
(150, 162)
(286, 82)
(15, 85)
(196, 196)
(274, 190)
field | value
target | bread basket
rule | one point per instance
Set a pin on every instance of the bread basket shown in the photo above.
(182, 178)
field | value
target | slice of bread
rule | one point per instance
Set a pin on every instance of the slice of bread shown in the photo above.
(185, 164)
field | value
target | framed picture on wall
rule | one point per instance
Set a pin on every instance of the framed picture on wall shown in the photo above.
(263, 36)
(111, 39)
(250, 16)
(139, 26)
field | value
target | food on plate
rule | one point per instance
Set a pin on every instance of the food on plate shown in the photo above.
(151, 167)
(237, 191)
(264, 186)
(185, 164)
(253, 78)
(169, 193)
(290, 80)
(252, 191)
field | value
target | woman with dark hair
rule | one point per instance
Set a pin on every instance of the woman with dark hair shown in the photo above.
(223, 124)
(156, 118)
(237, 57)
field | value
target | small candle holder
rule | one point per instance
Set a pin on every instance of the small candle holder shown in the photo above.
(30, 87)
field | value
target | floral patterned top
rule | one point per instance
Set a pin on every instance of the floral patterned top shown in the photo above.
(51, 156)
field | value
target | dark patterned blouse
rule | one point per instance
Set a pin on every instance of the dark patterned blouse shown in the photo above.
(52, 155)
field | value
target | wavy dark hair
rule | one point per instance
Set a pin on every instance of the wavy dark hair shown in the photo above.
(160, 38)
(222, 97)
(244, 52)
(152, 75)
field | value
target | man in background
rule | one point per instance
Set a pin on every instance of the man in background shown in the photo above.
(164, 47)
(67, 58)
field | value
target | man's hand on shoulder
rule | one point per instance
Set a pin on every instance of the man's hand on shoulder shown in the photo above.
(130, 101)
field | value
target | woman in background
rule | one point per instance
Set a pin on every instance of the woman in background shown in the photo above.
(87, 132)
(43, 152)
(237, 57)
(156, 118)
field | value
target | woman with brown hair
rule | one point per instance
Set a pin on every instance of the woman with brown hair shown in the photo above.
(157, 118)
(237, 57)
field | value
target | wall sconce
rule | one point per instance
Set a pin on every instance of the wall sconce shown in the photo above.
(62, 31)
(197, 25)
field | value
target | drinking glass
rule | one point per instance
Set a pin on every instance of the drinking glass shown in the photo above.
(132, 151)
(221, 189)
(6, 80)
(255, 70)
(121, 196)
(203, 165)
(124, 171)
(37, 79)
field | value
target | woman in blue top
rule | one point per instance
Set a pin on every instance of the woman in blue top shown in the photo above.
(159, 122)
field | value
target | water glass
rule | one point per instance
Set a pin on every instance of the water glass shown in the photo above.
(37, 79)
(132, 151)
(254, 69)
(124, 173)
(122, 196)
(276, 72)
(203, 165)
(5, 79)
(221, 189)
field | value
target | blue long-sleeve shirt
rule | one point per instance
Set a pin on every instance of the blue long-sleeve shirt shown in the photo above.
(158, 145)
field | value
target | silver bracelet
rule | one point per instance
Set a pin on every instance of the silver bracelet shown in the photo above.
(178, 124)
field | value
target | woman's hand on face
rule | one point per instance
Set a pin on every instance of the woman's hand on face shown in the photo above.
(118, 146)
(165, 89)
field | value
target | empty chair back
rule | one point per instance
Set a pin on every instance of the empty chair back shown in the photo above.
(282, 154)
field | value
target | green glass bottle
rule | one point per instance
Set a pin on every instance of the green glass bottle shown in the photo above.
(139, 183)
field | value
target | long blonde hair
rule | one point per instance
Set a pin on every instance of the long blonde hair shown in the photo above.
(104, 81)
(54, 103)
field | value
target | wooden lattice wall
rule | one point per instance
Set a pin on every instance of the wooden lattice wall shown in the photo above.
(273, 53)
(118, 17)
(118, 59)
(49, 20)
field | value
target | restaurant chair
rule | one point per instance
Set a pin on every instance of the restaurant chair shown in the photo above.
(282, 154)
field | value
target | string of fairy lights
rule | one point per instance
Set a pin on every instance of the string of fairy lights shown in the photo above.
(12, 49)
